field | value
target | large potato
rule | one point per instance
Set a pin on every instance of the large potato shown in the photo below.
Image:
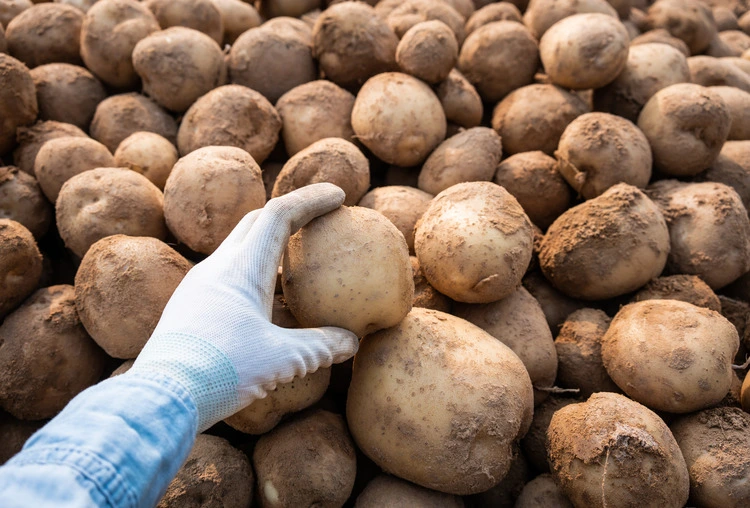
(402, 205)
(22, 200)
(67, 93)
(17, 100)
(46, 33)
(20, 264)
(402, 15)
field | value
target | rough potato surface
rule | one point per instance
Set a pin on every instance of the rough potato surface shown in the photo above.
(67, 93)
(46, 33)
(20, 264)
(386, 490)
(31, 139)
(17, 100)
(22, 200)
(685, 288)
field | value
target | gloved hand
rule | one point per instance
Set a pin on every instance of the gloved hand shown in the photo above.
(215, 336)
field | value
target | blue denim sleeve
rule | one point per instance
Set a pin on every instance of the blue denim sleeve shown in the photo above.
(116, 444)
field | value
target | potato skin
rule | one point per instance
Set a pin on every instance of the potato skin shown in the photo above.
(17, 100)
(46, 33)
(685, 288)
(535, 443)
(20, 264)
(428, 51)
(426, 296)
(542, 491)
(661, 35)
(67, 93)
(738, 102)
(31, 139)
(237, 17)
(745, 394)
(22, 200)
(200, 15)
(688, 20)
(501, 11)
(732, 167)
(542, 14)
(386, 490)
(401, 205)
(149, 154)
(9, 9)
(47, 357)
(461, 102)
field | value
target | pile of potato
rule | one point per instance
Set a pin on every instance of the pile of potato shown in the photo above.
(545, 243)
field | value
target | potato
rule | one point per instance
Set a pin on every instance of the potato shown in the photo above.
(306, 461)
(426, 296)
(67, 93)
(264, 414)
(46, 357)
(208, 192)
(386, 490)
(738, 102)
(15, 433)
(22, 200)
(447, 420)
(732, 167)
(745, 397)
(119, 116)
(214, 474)
(401, 205)
(125, 272)
(3, 42)
(107, 201)
(17, 100)
(541, 492)
(123, 368)
(474, 242)
(741, 63)
(709, 71)
(469, 156)
(61, 159)
(599, 150)
(31, 139)
(292, 8)
(518, 322)
(401, 15)
(9, 9)
(686, 125)
(230, 115)
(716, 447)
(505, 493)
(556, 305)
(584, 51)
(650, 67)
(611, 451)
(532, 178)
(709, 230)
(460, 100)
(661, 35)
(20, 265)
(498, 58)
(200, 15)
(110, 31)
(725, 19)
(399, 118)
(237, 17)
(46, 33)
(501, 11)
(352, 44)
(735, 41)
(685, 288)
(608, 246)
(535, 116)
(357, 283)
(688, 20)
(271, 62)
(82, 5)
(314, 111)
(542, 14)
(428, 51)
(149, 154)
(535, 443)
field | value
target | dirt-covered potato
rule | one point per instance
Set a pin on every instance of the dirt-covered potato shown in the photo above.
(237, 17)
(611, 451)
(46, 33)
(426, 296)
(125, 272)
(401, 205)
(17, 100)
(231, 115)
(119, 116)
(469, 156)
(428, 51)
(402, 15)
(306, 461)
(314, 111)
(599, 150)
(291, 8)
(738, 102)
(685, 288)
(67, 93)
(661, 35)
(710, 71)
(61, 159)
(352, 44)
(542, 14)
(716, 447)
(399, 118)
(535, 116)
(362, 278)
(46, 356)
(386, 490)
(149, 154)
(460, 100)
(447, 420)
(709, 230)
(535, 443)
(22, 200)
(542, 492)
(200, 15)
(732, 167)
(688, 20)
(110, 31)
(670, 355)
(208, 192)
(608, 246)
(500, 11)
(584, 51)
(686, 126)
(9, 9)
(214, 474)
(264, 414)
(108, 201)
(31, 139)
(474, 242)
(20, 264)
(332, 160)
(498, 58)
(518, 322)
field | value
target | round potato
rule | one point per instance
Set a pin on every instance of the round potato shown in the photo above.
(685, 288)
(237, 18)
(738, 102)
(20, 264)
(9, 9)
(22, 200)
(386, 490)
(200, 15)
(500, 11)
(662, 36)
(149, 154)
(402, 15)
(67, 93)
(428, 51)
(460, 100)
(557, 306)
(688, 20)
(542, 14)
(17, 100)
(401, 205)
(46, 33)
(31, 139)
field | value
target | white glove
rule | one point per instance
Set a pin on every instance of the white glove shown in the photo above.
(215, 336)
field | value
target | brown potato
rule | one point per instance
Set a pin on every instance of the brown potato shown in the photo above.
(149, 154)
(200, 15)
(541, 492)
(9, 9)
(386, 490)
(535, 443)
(688, 20)
(505, 493)
(22, 200)
(46, 33)
(685, 288)
(725, 18)
(428, 51)
(237, 17)
(557, 306)
(732, 167)
(67, 93)
(20, 264)
(401, 205)
(500, 11)
(426, 296)
(460, 100)
(736, 42)
(292, 8)
(17, 100)
(31, 139)
(15, 433)
(401, 15)
(738, 102)
(741, 63)
(661, 35)
(710, 71)
(542, 14)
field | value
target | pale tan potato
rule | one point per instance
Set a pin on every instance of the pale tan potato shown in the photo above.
(498, 58)
(688, 20)
(67, 93)
(9, 9)
(362, 280)
(231, 115)
(460, 100)
(208, 192)
(61, 159)
(463, 407)
(732, 167)
(685, 288)
(500, 11)
(686, 126)
(469, 156)
(291, 8)
(710, 71)
(535, 443)
(386, 490)
(518, 322)
(20, 265)
(738, 102)
(22, 200)
(200, 15)
(399, 118)
(108, 201)
(149, 154)
(428, 51)
(46, 33)
(83, 5)
(125, 272)
(670, 355)
(708, 227)
(661, 35)
(542, 492)
(46, 356)
(542, 14)
(110, 31)
(31, 139)
(17, 100)
(401, 205)
(401, 15)
(237, 17)
(426, 296)
(611, 451)
(474, 242)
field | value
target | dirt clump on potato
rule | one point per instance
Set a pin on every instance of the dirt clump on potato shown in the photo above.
(17, 100)
(402, 205)
(67, 93)
(31, 139)
(685, 288)
(22, 200)
(20, 264)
